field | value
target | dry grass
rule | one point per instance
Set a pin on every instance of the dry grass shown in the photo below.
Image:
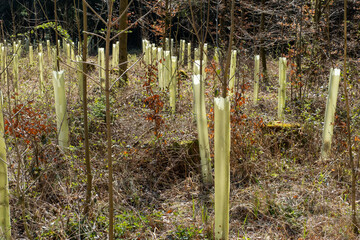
(279, 187)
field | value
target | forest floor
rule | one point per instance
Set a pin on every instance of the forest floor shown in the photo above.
(280, 188)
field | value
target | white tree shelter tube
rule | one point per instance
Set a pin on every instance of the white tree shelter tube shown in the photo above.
(5, 227)
(41, 68)
(222, 167)
(201, 122)
(48, 48)
(101, 63)
(189, 55)
(182, 52)
(330, 112)
(160, 67)
(16, 73)
(167, 70)
(282, 89)
(173, 84)
(60, 107)
(232, 73)
(80, 76)
(31, 55)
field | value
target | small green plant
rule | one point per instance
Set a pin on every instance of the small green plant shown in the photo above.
(185, 233)
(98, 107)
(129, 222)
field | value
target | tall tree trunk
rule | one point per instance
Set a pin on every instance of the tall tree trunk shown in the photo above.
(123, 41)
(262, 47)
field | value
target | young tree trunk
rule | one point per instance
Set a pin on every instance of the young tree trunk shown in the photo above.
(123, 41)
(108, 121)
(222, 148)
(86, 128)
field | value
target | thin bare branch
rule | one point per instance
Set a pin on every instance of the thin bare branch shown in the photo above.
(99, 17)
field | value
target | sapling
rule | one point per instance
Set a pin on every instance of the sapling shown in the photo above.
(256, 78)
(48, 48)
(16, 73)
(41, 68)
(182, 52)
(27, 44)
(204, 61)
(167, 44)
(5, 227)
(330, 112)
(172, 47)
(60, 108)
(173, 84)
(19, 50)
(101, 63)
(15, 47)
(59, 43)
(167, 69)
(222, 147)
(148, 54)
(282, 88)
(117, 50)
(145, 50)
(201, 121)
(160, 67)
(80, 76)
(189, 55)
(114, 55)
(68, 54)
(222, 166)
(54, 58)
(196, 68)
(31, 55)
(196, 54)
(143, 45)
(196, 71)
(72, 56)
(40, 48)
(232, 73)
(4, 64)
(153, 55)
